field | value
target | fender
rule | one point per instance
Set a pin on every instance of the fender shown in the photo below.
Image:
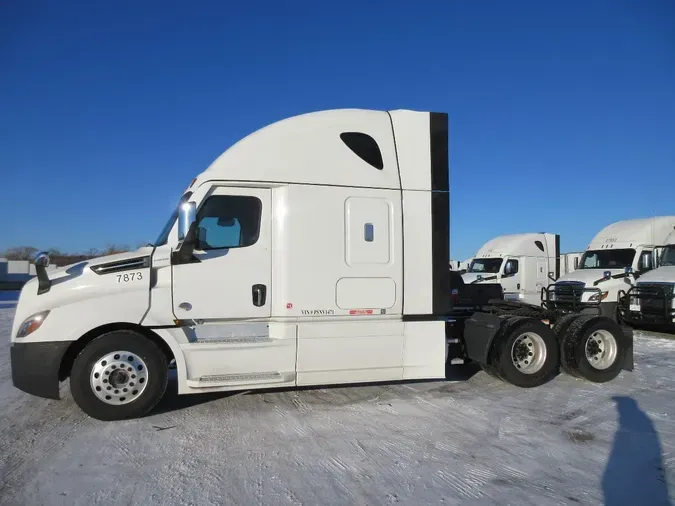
(167, 336)
(479, 333)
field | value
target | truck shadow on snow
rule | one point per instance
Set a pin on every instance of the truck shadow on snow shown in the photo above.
(357, 392)
(635, 472)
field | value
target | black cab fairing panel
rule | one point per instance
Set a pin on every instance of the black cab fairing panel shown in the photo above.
(35, 367)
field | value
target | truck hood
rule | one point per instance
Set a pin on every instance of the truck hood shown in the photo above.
(588, 276)
(80, 281)
(659, 275)
(106, 259)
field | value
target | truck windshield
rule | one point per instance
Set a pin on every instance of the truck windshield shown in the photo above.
(607, 259)
(668, 256)
(486, 265)
(164, 234)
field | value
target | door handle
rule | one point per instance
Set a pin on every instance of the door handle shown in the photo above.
(259, 295)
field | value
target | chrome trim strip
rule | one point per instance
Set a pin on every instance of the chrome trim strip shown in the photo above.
(222, 378)
(234, 340)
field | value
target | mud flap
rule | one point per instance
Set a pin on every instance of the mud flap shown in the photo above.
(628, 364)
(479, 333)
(609, 309)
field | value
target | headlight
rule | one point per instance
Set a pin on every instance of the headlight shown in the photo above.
(598, 297)
(31, 324)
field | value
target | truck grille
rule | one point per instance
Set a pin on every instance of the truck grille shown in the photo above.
(568, 292)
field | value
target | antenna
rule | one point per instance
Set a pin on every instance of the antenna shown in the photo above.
(653, 242)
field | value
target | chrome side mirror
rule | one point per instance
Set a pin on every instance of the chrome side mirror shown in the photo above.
(187, 228)
(646, 261)
(187, 214)
(41, 259)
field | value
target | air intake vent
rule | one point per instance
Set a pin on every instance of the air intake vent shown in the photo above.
(127, 264)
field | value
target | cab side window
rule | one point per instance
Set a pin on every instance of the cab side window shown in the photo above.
(511, 267)
(228, 221)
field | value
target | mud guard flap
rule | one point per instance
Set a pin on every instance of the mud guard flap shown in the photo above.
(479, 333)
(628, 364)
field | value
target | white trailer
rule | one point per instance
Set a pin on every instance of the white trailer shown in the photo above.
(313, 251)
(651, 301)
(615, 258)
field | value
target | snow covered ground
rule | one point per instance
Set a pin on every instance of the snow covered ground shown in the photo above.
(469, 440)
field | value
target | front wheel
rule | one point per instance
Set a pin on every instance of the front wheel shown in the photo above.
(119, 375)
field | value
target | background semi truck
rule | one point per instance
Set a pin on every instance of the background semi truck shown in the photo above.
(460, 265)
(651, 301)
(617, 256)
(312, 252)
(524, 264)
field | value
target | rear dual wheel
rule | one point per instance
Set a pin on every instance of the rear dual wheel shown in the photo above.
(592, 347)
(526, 353)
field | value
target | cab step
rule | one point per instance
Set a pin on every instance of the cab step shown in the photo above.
(239, 379)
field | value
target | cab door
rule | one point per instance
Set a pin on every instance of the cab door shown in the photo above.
(230, 275)
(512, 275)
(224, 296)
(543, 280)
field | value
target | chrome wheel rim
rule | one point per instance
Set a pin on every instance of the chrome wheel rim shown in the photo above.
(119, 377)
(528, 353)
(601, 349)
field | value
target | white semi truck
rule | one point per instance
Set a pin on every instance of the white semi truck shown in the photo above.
(651, 301)
(617, 256)
(312, 252)
(524, 264)
(459, 266)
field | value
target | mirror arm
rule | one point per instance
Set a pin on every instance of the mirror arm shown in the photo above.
(186, 248)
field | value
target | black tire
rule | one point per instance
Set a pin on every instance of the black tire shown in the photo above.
(490, 370)
(560, 330)
(502, 361)
(576, 340)
(156, 366)
(492, 367)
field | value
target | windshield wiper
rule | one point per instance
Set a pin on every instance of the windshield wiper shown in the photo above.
(489, 278)
(616, 276)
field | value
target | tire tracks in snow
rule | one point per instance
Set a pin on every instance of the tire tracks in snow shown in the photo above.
(37, 455)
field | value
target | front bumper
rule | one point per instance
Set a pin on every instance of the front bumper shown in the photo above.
(636, 318)
(648, 305)
(35, 367)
